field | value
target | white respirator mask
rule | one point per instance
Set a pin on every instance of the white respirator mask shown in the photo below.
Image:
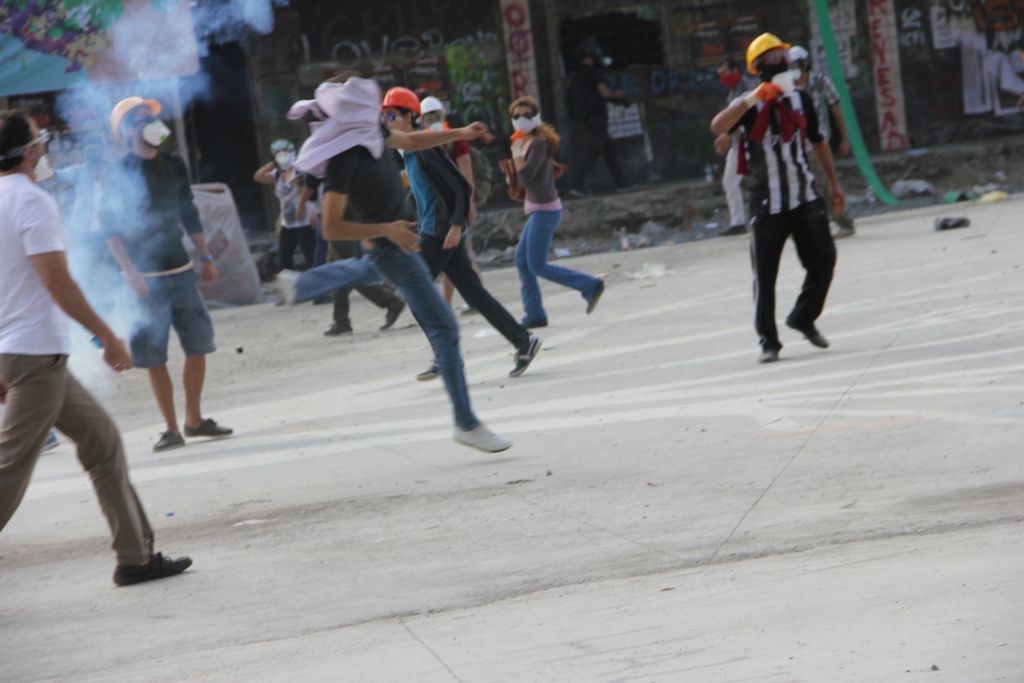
(155, 133)
(786, 80)
(526, 125)
(43, 170)
(285, 159)
(437, 127)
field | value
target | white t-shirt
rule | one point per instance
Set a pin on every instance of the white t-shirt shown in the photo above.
(31, 323)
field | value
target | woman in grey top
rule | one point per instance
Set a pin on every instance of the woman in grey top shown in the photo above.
(534, 145)
(296, 216)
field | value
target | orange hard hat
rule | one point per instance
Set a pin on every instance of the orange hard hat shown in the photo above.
(126, 105)
(403, 98)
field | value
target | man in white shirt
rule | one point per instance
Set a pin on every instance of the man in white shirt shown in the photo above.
(38, 297)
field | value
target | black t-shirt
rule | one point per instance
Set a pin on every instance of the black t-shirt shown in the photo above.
(374, 186)
(145, 203)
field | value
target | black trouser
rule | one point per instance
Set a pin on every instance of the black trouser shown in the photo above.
(455, 263)
(377, 294)
(597, 143)
(808, 224)
(304, 238)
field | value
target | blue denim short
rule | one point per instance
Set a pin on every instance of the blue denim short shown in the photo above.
(174, 300)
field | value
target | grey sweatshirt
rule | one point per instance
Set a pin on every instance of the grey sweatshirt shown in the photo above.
(537, 176)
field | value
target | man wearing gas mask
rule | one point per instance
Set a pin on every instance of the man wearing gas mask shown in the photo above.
(587, 100)
(147, 199)
(778, 121)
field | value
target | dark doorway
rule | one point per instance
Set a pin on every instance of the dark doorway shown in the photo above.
(225, 135)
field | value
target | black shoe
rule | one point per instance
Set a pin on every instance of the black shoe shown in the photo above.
(158, 567)
(337, 330)
(812, 334)
(534, 324)
(734, 230)
(394, 311)
(592, 301)
(430, 373)
(208, 428)
(525, 356)
(768, 356)
(168, 441)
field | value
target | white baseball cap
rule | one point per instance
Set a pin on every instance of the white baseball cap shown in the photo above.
(430, 105)
(799, 54)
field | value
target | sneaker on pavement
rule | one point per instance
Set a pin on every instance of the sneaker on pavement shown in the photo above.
(812, 335)
(595, 297)
(482, 439)
(337, 330)
(768, 356)
(525, 356)
(51, 441)
(430, 373)
(158, 567)
(168, 441)
(208, 427)
(285, 283)
(842, 232)
(392, 316)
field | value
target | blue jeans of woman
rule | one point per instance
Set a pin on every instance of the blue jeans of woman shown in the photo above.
(532, 262)
(408, 274)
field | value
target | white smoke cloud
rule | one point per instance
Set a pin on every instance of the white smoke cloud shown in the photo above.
(150, 47)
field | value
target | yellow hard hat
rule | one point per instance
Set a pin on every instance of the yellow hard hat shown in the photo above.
(758, 46)
(126, 105)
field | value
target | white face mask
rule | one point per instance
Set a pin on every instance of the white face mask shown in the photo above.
(44, 171)
(285, 159)
(786, 80)
(155, 133)
(524, 125)
(436, 127)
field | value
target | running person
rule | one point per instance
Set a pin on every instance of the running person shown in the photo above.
(533, 148)
(778, 121)
(350, 151)
(443, 198)
(432, 116)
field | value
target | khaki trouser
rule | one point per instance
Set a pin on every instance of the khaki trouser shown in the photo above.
(41, 394)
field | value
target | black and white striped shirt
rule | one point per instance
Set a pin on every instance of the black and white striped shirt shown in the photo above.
(779, 173)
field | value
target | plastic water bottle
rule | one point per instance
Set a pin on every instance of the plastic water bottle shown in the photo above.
(709, 173)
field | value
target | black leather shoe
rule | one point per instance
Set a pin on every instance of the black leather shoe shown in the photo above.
(158, 567)
(812, 334)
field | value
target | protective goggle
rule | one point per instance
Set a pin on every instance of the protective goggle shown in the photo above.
(43, 139)
(433, 116)
(392, 116)
(772, 58)
(281, 146)
(523, 116)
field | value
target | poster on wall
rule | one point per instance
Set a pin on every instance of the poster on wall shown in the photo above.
(990, 40)
(50, 45)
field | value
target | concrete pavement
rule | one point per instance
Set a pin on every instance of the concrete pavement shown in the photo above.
(671, 511)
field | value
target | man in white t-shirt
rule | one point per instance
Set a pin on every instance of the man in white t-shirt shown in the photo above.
(39, 392)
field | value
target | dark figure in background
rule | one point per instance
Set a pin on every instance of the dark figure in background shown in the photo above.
(587, 99)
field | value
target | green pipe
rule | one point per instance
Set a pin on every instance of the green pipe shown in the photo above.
(835, 70)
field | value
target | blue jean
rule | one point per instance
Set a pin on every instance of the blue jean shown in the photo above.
(532, 262)
(345, 274)
(320, 249)
(408, 273)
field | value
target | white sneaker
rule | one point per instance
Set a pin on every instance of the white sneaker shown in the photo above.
(285, 283)
(482, 439)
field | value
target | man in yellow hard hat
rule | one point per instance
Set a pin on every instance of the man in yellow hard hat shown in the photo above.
(147, 199)
(779, 132)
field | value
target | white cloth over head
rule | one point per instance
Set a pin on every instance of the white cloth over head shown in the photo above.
(352, 112)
